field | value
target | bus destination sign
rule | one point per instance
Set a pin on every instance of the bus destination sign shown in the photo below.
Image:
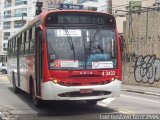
(70, 6)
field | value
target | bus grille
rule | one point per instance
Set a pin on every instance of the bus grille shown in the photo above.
(78, 94)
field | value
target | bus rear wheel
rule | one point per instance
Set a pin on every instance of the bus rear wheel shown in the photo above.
(15, 88)
(36, 101)
(91, 102)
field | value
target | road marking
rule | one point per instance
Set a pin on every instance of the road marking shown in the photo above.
(1, 82)
(141, 99)
(124, 111)
(105, 102)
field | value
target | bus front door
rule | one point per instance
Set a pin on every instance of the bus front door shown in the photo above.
(38, 63)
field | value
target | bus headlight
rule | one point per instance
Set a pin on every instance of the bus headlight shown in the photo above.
(55, 81)
(113, 79)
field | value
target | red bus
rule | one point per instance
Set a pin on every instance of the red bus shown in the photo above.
(67, 55)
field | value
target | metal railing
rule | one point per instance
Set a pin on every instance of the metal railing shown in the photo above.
(7, 16)
(18, 25)
(7, 5)
(6, 27)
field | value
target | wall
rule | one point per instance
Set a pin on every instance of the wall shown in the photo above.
(119, 5)
(141, 56)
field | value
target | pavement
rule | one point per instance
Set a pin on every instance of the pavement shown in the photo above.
(141, 89)
(4, 78)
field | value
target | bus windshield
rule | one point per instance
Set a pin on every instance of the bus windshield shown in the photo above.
(72, 48)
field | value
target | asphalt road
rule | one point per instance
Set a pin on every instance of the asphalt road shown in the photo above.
(20, 104)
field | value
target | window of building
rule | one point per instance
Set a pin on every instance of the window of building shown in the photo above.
(20, 2)
(20, 11)
(19, 23)
(3, 58)
(6, 25)
(7, 3)
(5, 46)
(82, 1)
(6, 35)
(7, 14)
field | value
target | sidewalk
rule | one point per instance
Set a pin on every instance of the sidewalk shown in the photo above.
(141, 89)
(3, 77)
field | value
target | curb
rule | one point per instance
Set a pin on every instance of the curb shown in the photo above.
(141, 92)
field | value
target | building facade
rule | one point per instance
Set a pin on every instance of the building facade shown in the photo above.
(0, 27)
(141, 55)
(14, 15)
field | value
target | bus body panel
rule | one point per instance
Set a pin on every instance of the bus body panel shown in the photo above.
(50, 91)
(12, 68)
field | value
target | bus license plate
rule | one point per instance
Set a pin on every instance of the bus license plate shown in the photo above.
(85, 91)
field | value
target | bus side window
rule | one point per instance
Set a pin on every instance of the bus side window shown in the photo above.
(20, 38)
(15, 47)
(24, 44)
(9, 48)
(31, 41)
(13, 44)
(27, 43)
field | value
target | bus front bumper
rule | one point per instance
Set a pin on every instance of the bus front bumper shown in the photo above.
(52, 91)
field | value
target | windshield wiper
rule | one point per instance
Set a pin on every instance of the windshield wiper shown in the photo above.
(70, 41)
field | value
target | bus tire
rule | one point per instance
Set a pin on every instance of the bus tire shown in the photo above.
(15, 88)
(36, 101)
(91, 102)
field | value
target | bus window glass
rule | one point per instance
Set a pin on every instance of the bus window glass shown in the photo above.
(9, 48)
(27, 42)
(24, 42)
(32, 39)
(82, 48)
(21, 46)
(15, 47)
(79, 18)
